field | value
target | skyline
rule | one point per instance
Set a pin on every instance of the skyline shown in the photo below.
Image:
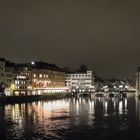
(102, 35)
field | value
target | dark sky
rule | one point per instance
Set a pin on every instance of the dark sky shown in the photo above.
(103, 34)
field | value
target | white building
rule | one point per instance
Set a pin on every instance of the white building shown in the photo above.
(80, 81)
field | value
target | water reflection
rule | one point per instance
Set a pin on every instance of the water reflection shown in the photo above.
(96, 117)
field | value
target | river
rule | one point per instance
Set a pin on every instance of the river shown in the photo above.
(82, 118)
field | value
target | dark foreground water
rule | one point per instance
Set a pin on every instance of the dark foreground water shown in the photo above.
(83, 118)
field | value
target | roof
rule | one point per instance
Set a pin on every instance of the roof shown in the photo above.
(2, 59)
(35, 65)
(78, 72)
(138, 69)
(44, 65)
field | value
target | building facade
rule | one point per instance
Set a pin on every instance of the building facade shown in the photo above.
(47, 78)
(22, 80)
(2, 69)
(138, 82)
(6, 72)
(31, 78)
(80, 81)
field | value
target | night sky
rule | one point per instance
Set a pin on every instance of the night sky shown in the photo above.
(103, 34)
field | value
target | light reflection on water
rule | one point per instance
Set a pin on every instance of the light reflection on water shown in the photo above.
(85, 117)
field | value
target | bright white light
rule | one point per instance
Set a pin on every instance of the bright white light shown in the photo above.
(7, 92)
(40, 75)
(126, 86)
(120, 107)
(32, 62)
(115, 87)
(121, 86)
(21, 77)
(73, 90)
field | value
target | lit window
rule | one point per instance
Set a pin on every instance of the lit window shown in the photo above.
(34, 75)
(40, 75)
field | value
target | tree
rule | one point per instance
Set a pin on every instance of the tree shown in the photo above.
(83, 68)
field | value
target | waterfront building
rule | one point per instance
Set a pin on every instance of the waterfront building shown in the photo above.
(81, 81)
(47, 78)
(31, 78)
(22, 79)
(138, 81)
(2, 69)
(38, 78)
(6, 72)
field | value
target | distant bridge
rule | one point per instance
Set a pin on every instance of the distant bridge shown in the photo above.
(78, 94)
(102, 94)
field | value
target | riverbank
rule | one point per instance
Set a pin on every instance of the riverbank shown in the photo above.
(32, 98)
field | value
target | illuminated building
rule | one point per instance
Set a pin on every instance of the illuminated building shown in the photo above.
(6, 72)
(31, 78)
(47, 78)
(138, 82)
(22, 79)
(38, 78)
(81, 81)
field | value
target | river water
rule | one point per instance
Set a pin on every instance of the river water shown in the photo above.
(82, 118)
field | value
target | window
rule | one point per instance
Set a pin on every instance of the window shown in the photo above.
(40, 75)
(34, 75)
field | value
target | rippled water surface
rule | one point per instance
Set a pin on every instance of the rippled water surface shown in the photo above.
(82, 118)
